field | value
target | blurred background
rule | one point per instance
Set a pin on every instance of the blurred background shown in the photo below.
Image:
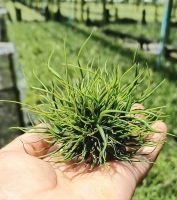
(125, 31)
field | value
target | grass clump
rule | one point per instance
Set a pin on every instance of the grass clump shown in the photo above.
(91, 118)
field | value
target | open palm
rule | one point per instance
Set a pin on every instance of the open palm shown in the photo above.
(24, 176)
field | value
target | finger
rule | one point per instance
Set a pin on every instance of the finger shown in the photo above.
(36, 142)
(138, 106)
(156, 138)
(149, 154)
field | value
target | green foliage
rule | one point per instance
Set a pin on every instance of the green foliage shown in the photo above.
(90, 118)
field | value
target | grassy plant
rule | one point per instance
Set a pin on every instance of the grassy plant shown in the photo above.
(90, 118)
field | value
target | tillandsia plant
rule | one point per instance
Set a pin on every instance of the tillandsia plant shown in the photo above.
(91, 119)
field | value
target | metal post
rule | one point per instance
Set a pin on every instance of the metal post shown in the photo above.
(58, 16)
(165, 30)
(143, 21)
(88, 21)
(70, 12)
(104, 9)
(75, 10)
(116, 14)
(82, 10)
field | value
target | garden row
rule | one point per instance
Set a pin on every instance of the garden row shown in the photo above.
(97, 12)
(139, 32)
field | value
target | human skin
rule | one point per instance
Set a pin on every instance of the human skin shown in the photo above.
(25, 176)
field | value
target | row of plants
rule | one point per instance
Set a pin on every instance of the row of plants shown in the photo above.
(151, 31)
(78, 9)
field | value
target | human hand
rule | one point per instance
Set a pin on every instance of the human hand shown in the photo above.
(24, 176)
